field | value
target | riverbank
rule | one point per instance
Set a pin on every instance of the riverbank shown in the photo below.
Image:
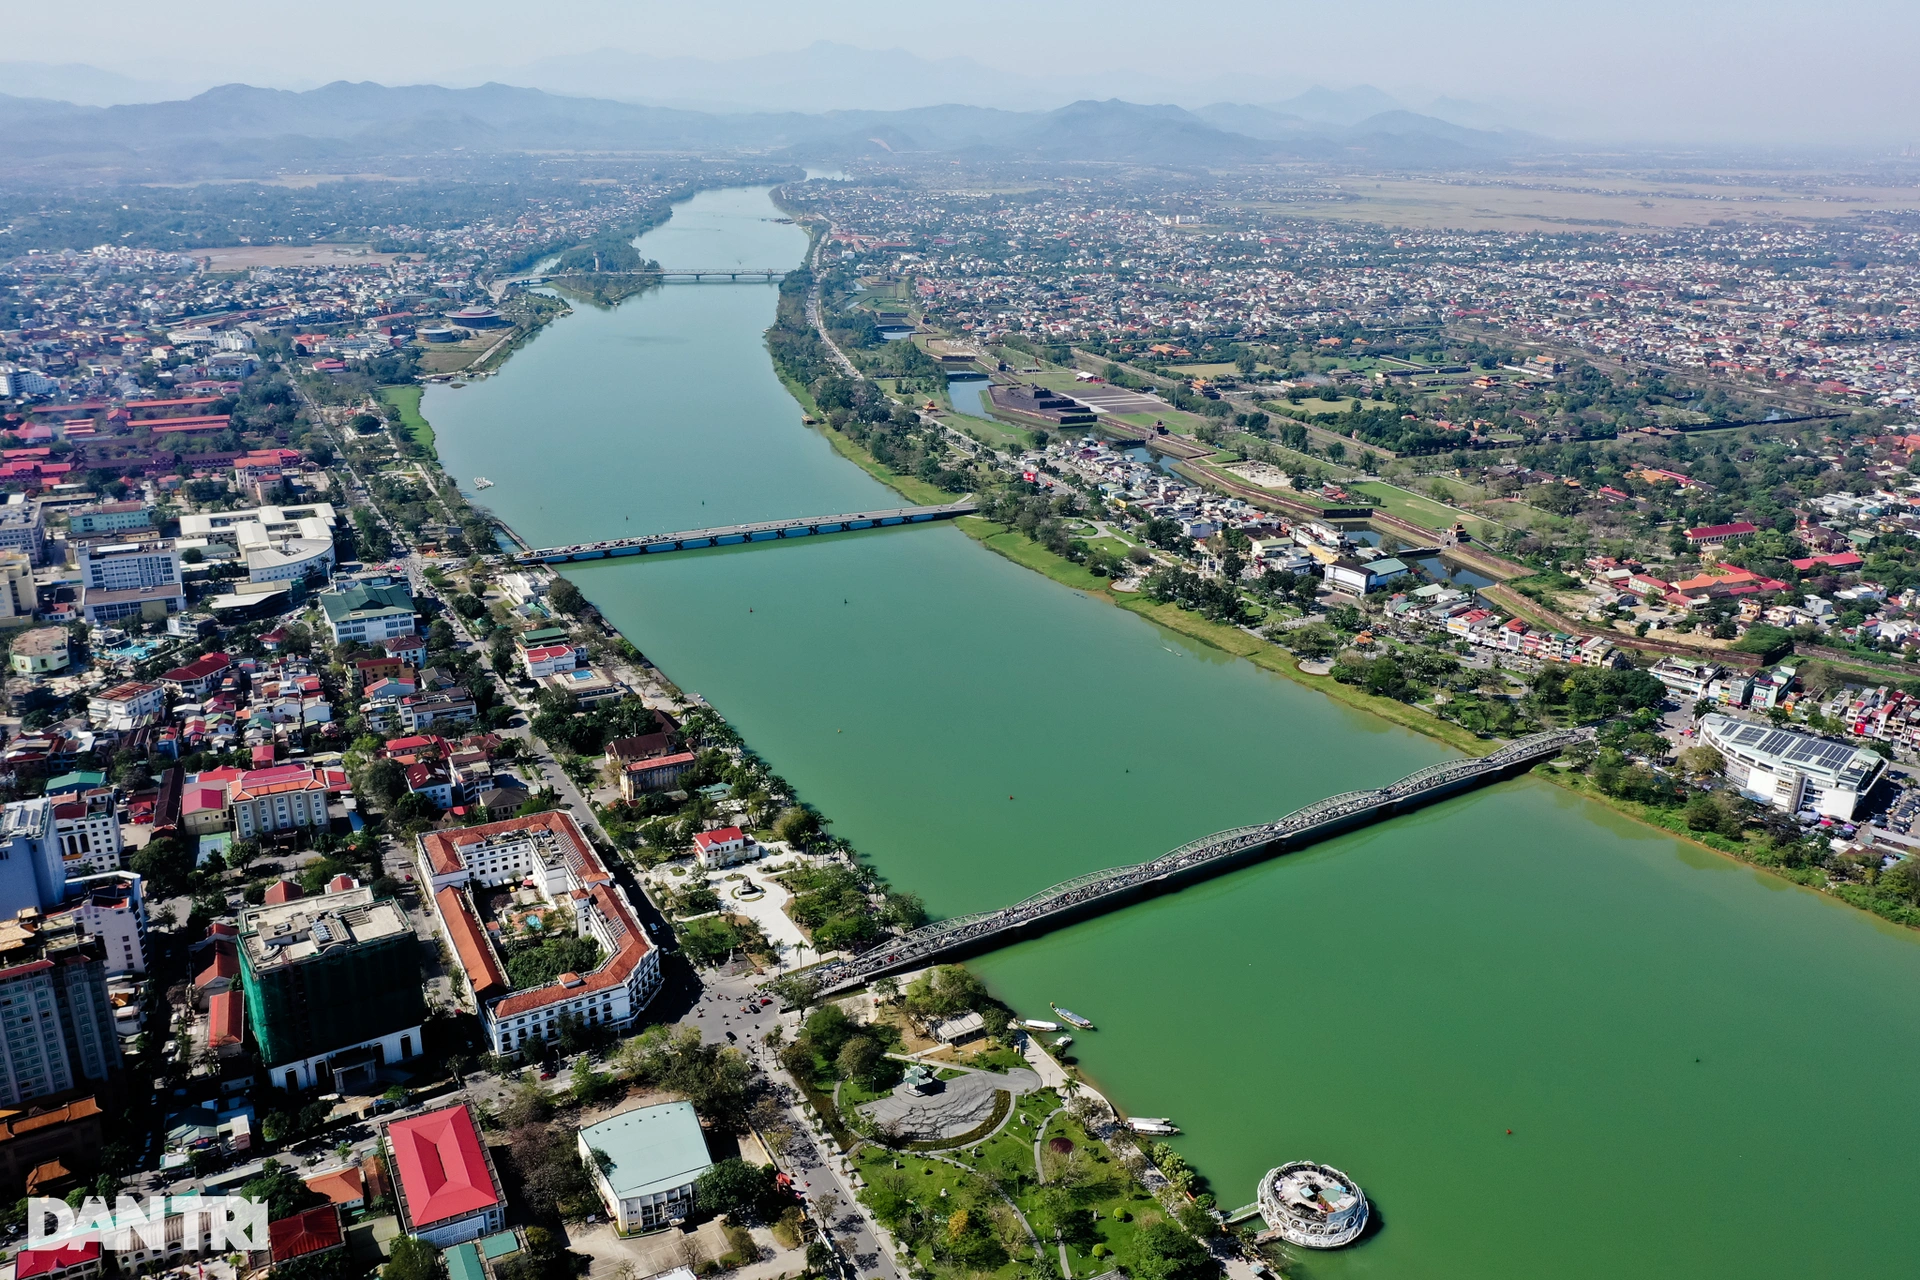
(1268, 656)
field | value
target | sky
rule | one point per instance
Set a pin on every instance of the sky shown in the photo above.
(1754, 71)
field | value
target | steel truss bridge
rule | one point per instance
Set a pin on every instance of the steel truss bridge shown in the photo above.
(1101, 891)
(761, 531)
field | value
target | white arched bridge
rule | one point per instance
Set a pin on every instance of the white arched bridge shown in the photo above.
(1101, 891)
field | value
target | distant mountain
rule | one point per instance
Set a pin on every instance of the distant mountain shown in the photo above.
(236, 130)
(1338, 106)
(87, 86)
(824, 76)
(1473, 115)
(1259, 122)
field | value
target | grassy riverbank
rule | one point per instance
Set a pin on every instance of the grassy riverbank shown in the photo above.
(406, 402)
(1262, 653)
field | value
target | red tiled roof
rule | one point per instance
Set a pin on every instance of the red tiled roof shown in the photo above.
(442, 1166)
(200, 668)
(226, 1019)
(443, 847)
(283, 891)
(720, 835)
(225, 965)
(198, 799)
(1838, 560)
(284, 778)
(632, 949)
(315, 1231)
(40, 1262)
(342, 1186)
(1739, 528)
(470, 944)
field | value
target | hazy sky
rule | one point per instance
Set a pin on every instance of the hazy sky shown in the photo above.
(1750, 69)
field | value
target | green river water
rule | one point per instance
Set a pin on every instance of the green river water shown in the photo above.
(1705, 1072)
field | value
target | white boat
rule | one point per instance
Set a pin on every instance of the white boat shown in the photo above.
(1063, 1042)
(481, 482)
(1152, 1124)
(1039, 1024)
(1072, 1017)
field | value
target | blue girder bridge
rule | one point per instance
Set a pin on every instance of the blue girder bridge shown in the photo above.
(760, 531)
(1102, 891)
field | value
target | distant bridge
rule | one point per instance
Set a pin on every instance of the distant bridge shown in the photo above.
(1101, 891)
(675, 275)
(732, 534)
(711, 275)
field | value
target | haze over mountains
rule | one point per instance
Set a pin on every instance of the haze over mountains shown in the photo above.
(235, 129)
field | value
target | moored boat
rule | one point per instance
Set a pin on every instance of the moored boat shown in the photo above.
(1039, 1024)
(1071, 1017)
(1152, 1124)
(481, 482)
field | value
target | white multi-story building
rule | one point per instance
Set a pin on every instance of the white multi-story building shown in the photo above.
(1792, 770)
(88, 829)
(121, 566)
(23, 528)
(549, 849)
(124, 579)
(112, 907)
(369, 613)
(126, 706)
(278, 544)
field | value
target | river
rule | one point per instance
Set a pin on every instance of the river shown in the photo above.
(1684, 1049)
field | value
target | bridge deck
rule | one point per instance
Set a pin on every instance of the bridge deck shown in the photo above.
(1101, 891)
(759, 531)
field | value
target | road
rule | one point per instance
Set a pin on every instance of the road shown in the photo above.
(719, 1006)
(728, 1012)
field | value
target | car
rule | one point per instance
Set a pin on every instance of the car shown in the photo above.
(548, 1073)
(732, 1036)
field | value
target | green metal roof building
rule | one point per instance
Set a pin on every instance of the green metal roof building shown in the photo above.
(369, 613)
(644, 1164)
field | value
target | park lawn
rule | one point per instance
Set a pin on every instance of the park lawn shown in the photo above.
(1217, 370)
(1425, 512)
(406, 401)
(1114, 545)
(990, 431)
(1023, 551)
(929, 1178)
(1307, 408)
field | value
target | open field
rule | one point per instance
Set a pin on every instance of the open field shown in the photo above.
(247, 256)
(1600, 201)
(1425, 512)
(1312, 405)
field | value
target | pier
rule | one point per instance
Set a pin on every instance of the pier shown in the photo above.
(1101, 891)
(733, 534)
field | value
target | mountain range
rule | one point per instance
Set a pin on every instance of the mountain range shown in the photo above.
(236, 130)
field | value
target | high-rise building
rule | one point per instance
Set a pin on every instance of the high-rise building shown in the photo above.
(56, 1026)
(18, 596)
(88, 828)
(33, 874)
(332, 986)
(126, 579)
(23, 528)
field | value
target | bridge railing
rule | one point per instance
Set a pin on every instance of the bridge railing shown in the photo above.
(947, 935)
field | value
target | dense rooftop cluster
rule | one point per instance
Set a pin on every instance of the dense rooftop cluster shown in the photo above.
(1825, 304)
